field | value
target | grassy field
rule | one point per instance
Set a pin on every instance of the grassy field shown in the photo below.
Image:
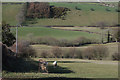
(69, 68)
(49, 32)
(83, 17)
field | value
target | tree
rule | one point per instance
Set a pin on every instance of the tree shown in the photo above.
(116, 35)
(102, 25)
(38, 10)
(108, 37)
(7, 37)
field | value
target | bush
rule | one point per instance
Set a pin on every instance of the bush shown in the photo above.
(117, 10)
(116, 34)
(92, 9)
(108, 9)
(77, 8)
(47, 40)
(58, 12)
(96, 52)
(61, 43)
(24, 49)
(79, 54)
(81, 41)
(72, 52)
(44, 54)
(116, 56)
(57, 52)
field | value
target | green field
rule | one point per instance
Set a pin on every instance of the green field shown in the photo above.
(69, 68)
(83, 17)
(49, 32)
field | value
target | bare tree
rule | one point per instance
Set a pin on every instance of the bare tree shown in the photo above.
(102, 25)
(116, 35)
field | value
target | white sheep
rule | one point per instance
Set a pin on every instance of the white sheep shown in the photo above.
(55, 63)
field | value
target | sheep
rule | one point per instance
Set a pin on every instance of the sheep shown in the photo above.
(55, 63)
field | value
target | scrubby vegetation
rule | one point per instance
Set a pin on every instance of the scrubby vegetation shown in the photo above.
(116, 56)
(62, 42)
(98, 52)
(24, 49)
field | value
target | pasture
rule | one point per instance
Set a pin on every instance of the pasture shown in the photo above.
(69, 68)
(23, 32)
(83, 17)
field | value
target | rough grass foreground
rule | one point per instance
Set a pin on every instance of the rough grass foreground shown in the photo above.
(69, 68)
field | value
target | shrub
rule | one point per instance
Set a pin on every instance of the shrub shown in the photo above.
(116, 34)
(108, 9)
(79, 54)
(57, 12)
(81, 41)
(62, 43)
(24, 49)
(72, 52)
(117, 10)
(96, 52)
(47, 40)
(77, 8)
(92, 9)
(44, 54)
(116, 56)
(57, 52)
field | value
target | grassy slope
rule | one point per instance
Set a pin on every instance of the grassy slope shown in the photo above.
(9, 13)
(48, 32)
(84, 17)
(79, 68)
(75, 17)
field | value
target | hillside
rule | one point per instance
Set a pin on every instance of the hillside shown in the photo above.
(83, 17)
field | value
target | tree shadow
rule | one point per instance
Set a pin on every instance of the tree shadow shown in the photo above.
(29, 65)
(59, 70)
(21, 65)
